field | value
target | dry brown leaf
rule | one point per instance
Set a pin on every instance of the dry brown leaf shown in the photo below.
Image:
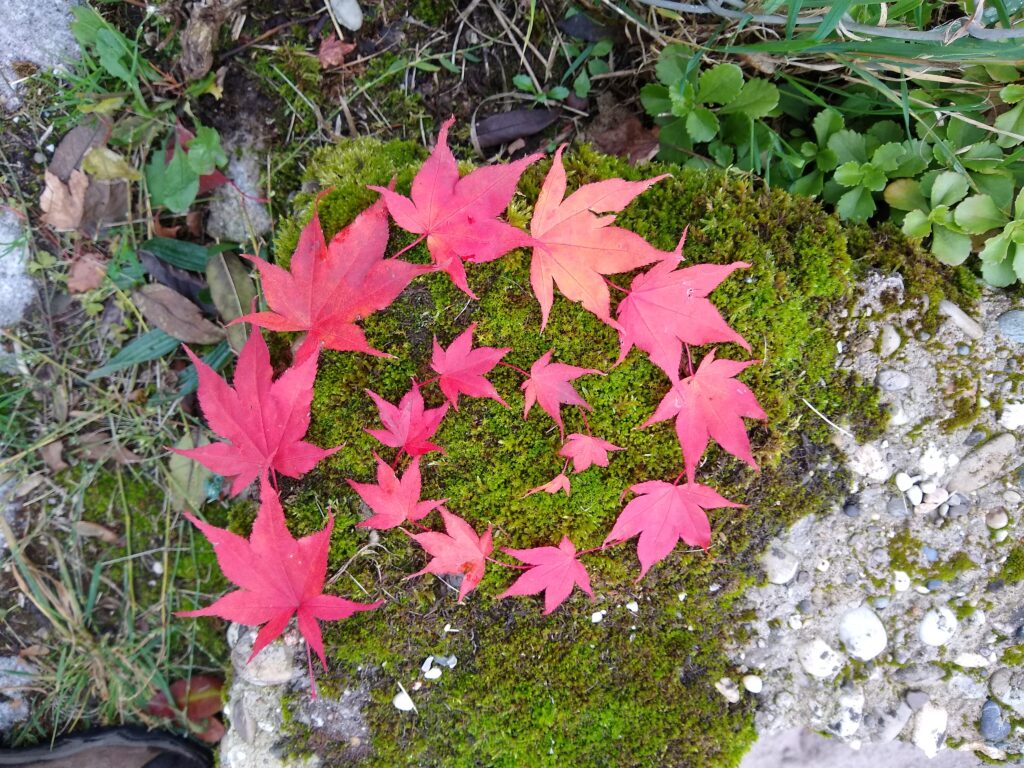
(64, 204)
(93, 530)
(171, 232)
(72, 149)
(617, 131)
(175, 315)
(333, 51)
(53, 457)
(87, 272)
(98, 446)
(33, 651)
(105, 163)
(200, 35)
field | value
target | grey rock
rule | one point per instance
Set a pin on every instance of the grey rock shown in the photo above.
(896, 506)
(37, 31)
(1008, 687)
(1011, 325)
(961, 319)
(863, 633)
(348, 13)
(920, 674)
(889, 342)
(916, 699)
(852, 510)
(780, 564)
(16, 288)
(15, 678)
(236, 213)
(993, 726)
(818, 659)
(891, 380)
(984, 464)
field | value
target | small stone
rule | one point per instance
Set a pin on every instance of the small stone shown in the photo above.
(938, 496)
(915, 495)
(993, 725)
(780, 564)
(961, 319)
(1008, 687)
(348, 13)
(1012, 497)
(433, 673)
(975, 437)
(881, 603)
(1011, 325)
(997, 519)
(729, 690)
(896, 506)
(937, 627)
(930, 729)
(903, 481)
(867, 460)
(427, 664)
(983, 465)
(852, 510)
(403, 701)
(934, 584)
(632, 606)
(930, 553)
(889, 342)
(891, 380)
(753, 683)
(963, 349)
(804, 606)
(1012, 416)
(863, 633)
(822, 565)
(818, 659)
(1000, 536)
(851, 711)
(597, 617)
(900, 581)
(916, 699)
(802, 577)
(971, 661)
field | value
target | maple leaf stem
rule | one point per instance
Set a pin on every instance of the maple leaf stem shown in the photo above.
(309, 664)
(601, 548)
(508, 565)
(689, 358)
(515, 368)
(679, 477)
(586, 425)
(428, 382)
(410, 246)
(615, 286)
(398, 458)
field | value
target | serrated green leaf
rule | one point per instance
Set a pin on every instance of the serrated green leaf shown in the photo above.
(602, 48)
(886, 132)
(205, 153)
(702, 124)
(984, 157)
(148, 346)
(849, 146)
(810, 184)
(1011, 94)
(523, 83)
(598, 67)
(915, 160)
(174, 184)
(995, 248)
(948, 188)
(999, 273)
(849, 174)
(826, 160)
(720, 84)
(655, 99)
(721, 153)
(978, 214)
(998, 186)
(756, 99)
(683, 98)
(856, 205)
(826, 123)
(1018, 205)
(112, 51)
(1012, 122)
(905, 195)
(888, 156)
(673, 63)
(916, 224)
(950, 247)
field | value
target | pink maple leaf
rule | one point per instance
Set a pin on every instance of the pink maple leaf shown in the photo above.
(558, 483)
(408, 425)
(555, 571)
(664, 513)
(462, 368)
(394, 500)
(458, 551)
(585, 450)
(550, 387)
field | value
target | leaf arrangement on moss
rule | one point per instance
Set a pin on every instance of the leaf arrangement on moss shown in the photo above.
(330, 286)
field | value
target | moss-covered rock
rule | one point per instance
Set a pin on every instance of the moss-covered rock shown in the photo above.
(631, 690)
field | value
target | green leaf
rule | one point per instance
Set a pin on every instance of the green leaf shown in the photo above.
(998, 186)
(174, 184)
(720, 84)
(849, 174)
(905, 195)
(655, 100)
(684, 98)
(1018, 262)
(1013, 122)
(995, 248)
(849, 146)
(962, 134)
(915, 159)
(702, 124)
(233, 292)
(602, 48)
(888, 156)
(985, 157)
(581, 84)
(148, 346)
(809, 184)
(1011, 94)
(825, 123)
(178, 253)
(832, 18)
(978, 214)
(916, 224)
(204, 151)
(673, 64)
(950, 247)
(112, 50)
(1018, 206)
(721, 153)
(886, 131)
(523, 83)
(856, 205)
(86, 25)
(558, 93)
(756, 99)
(999, 273)
(948, 188)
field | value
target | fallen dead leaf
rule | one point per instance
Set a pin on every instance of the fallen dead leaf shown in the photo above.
(33, 651)
(64, 204)
(93, 530)
(104, 163)
(333, 51)
(175, 315)
(53, 455)
(616, 131)
(200, 35)
(87, 272)
(99, 446)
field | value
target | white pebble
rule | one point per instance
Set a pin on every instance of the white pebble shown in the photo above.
(903, 482)
(930, 729)
(1012, 416)
(971, 661)
(900, 581)
(818, 659)
(915, 495)
(427, 664)
(753, 683)
(937, 627)
(928, 486)
(822, 565)
(632, 606)
(863, 633)
(403, 701)
(728, 689)
(433, 673)
(795, 622)
(997, 519)
(597, 617)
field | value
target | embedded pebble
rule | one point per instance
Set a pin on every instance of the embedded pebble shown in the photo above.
(961, 319)
(982, 465)
(780, 564)
(1011, 325)
(900, 581)
(867, 460)
(930, 729)
(891, 380)
(937, 627)
(903, 481)
(889, 342)
(862, 633)
(997, 519)
(753, 683)
(818, 658)
(916, 699)
(970, 661)
(1008, 687)
(915, 495)
(994, 726)
(632, 606)
(729, 690)
(597, 617)
(1012, 416)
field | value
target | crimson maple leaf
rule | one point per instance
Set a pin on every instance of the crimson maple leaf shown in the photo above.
(458, 551)
(263, 420)
(277, 577)
(710, 404)
(408, 426)
(462, 368)
(585, 450)
(578, 247)
(550, 386)
(555, 571)
(394, 500)
(667, 308)
(329, 287)
(662, 514)
(457, 216)
(558, 483)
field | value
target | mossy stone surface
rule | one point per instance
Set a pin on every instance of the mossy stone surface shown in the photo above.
(633, 689)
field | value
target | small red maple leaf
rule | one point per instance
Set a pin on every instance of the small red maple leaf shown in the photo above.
(457, 216)
(668, 307)
(333, 51)
(329, 287)
(577, 247)
(277, 577)
(408, 426)
(459, 551)
(394, 500)
(662, 514)
(558, 483)
(207, 182)
(585, 450)
(462, 368)
(263, 420)
(550, 386)
(555, 571)
(711, 404)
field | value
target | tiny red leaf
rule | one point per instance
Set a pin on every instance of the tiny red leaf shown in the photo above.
(550, 386)
(459, 551)
(558, 483)
(393, 500)
(555, 571)
(585, 450)
(408, 425)
(462, 368)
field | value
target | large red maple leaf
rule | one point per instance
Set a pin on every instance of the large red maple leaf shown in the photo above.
(668, 307)
(263, 420)
(408, 425)
(329, 287)
(394, 500)
(277, 577)
(459, 217)
(711, 404)
(462, 368)
(459, 551)
(577, 247)
(662, 514)
(554, 571)
(550, 386)
(586, 450)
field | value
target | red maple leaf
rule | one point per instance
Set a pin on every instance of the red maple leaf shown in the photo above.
(711, 404)
(277, 577)
(664, 513)
(394, 500)
(459, 217)
(667, 308)
(578, 247)
(329, 287)
(550, 386)
(263, 420)
(407, 425)
(555, 571)
(462, 368)
(585, 450)
(458, 551)
(558, 483)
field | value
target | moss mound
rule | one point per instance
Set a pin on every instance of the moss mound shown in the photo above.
(632, 690)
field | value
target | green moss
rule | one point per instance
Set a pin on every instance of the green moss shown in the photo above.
(904, 551)
(1014, 657)
(1013, 568)
(949, 569)
(532, 690)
